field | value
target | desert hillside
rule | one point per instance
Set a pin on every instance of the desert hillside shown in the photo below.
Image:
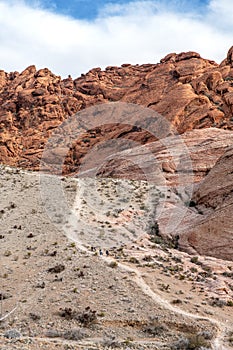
(116, 207)
(199, 175)
(60, 292)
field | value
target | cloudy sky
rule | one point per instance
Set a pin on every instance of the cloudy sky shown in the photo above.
(73, 36)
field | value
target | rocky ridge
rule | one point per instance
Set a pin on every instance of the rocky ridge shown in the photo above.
(191, 92)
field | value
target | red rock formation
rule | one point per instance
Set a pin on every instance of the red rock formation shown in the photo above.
(210, 232)
(176, 160)
(189, 91)
(203, 158)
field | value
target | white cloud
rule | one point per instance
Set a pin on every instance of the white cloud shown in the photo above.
(221, 13)
(139, 32)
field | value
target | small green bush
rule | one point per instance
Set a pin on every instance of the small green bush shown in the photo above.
(195, 260)
(133, 260)
(113, 264)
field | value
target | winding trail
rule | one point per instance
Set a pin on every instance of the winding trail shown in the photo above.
(218, 342)
(136, 276)
(138, 279)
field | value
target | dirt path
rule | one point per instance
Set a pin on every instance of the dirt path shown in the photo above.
(138, 280)
(136, 276)
(218, 342)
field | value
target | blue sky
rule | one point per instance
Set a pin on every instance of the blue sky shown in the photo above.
(71, 37)
(89, 9)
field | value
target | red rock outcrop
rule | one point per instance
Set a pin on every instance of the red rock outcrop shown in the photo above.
(174, 161)
(189, 91)
(217, 187)
(199, 161)
(211, 231)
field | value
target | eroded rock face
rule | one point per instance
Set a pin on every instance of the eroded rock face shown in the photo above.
(211, 231)
(178, 160)
(230, 56)
(189, 91)
(210, 234)
(200, 161)
(217, 186)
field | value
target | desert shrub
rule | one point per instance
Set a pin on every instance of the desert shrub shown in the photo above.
(176, 301)
(228, 274)
(164, 287)
(133, 260)
(230, 303)
(56, 269)
(110, 341)
(190, 204)
(53, 333)
(34, 317)
(230, 337)
(197, 341)
(193, 269)
(194, 260)
(147, 258)
(181, 277)
(74, 334)
(156, 239)
(193, 342)
(180, 344)
(217, 302)
(205, 274)
(155, 327)
(154, 229)
(7, 253)
(113, 264)
(206, 335)
(67, 313)
(85, 318)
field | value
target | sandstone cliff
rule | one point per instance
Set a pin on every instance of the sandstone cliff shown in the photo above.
(174, 161)
(191, 92)
(210, 233)
(198, 167)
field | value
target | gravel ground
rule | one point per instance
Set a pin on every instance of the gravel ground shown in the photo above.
(58, 285)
